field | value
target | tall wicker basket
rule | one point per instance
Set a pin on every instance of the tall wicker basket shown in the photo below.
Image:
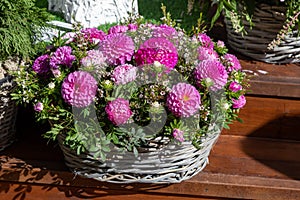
(172, 163)
(268, 21)
(8, 113)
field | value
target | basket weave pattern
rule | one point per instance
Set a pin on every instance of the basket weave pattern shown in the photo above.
(171, 164)
(268, 21)
(8, 113)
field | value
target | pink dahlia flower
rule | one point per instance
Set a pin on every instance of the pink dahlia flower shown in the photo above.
(94, 58)
(41, 65)
(79, 89)
(117, 48)
(178, 135)
(232, 62)
(214, 70)
(117, 29)
(93, 35)
(159, 43)
(157, 49)
(62, 56)
(118, 111)
(205, 53)
(234, 86)
(148, 56)
(183, 100)
(205, 40)
(239, 103)
(123, 74)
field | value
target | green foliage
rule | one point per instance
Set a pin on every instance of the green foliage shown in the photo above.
(20, 22)
(240, 11)
(184, 15)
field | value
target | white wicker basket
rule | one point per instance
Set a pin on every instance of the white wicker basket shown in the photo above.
(172, 163)
(268, 21)
(8, 113)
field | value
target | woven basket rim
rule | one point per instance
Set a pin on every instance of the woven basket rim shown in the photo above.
(172, 163)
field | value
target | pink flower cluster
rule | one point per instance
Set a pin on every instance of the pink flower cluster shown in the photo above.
(118, 111)
(45, 63)
(41, 65)
(214, 70)
(183, 100)
(157, 49)
(79, 89)
(123, 74)
(233, 62)
(239, 103)
(62, 56)
(118, 48)
(93, 35)
(178, 134)
(94, 58)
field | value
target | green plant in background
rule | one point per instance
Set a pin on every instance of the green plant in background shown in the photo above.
(240, 11)
(185, 15)
(20, 22)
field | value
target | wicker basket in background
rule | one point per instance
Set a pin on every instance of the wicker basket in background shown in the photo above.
(268, 21)
(171, 163)
(8, 113)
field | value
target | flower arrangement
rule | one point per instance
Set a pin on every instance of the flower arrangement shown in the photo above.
(239, 12)
(132, 85)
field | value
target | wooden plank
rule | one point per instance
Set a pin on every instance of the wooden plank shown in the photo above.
(37, 192)
(273, 80)
(268, 117)
(240, 167)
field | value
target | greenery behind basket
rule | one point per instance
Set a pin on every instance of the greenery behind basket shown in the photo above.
(20, 22)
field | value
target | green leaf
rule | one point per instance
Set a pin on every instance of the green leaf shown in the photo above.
(217, 14)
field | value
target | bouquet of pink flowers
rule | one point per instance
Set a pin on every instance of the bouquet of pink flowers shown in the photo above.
(132, 85)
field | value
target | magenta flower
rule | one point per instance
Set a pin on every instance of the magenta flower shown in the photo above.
(117, 48)
(93, 35)
(183, 100)
(123, 74)
(132, 27)
(159, 43)
(41, 65)
(232, 62)
(118, 111)
(62, 56)
(214, 70)
(94, 58)
(205, 53)
(157, 49)
(178, 135)
(234, 86)
(117, 29)
(79, 89)
(38, 107)
(205, 40)
(239, 103)
(148, 56)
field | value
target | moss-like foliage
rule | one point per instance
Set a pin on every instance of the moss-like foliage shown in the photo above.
(20, 22)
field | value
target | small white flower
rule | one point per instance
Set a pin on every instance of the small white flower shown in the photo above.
(51, 85)
(155, 104)
(156, 64)
(226, 106)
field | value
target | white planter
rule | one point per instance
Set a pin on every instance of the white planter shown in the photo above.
(92, 13)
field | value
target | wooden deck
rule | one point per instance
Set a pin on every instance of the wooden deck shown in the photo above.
(258, 159)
